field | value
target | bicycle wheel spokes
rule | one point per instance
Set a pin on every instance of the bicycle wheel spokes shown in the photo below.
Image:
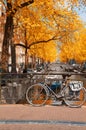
(36, 95)
(74, 98)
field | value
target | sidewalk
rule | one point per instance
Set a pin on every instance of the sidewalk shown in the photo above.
(42, 118)
(47, 112)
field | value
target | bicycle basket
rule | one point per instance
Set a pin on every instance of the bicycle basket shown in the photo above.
(76, 85)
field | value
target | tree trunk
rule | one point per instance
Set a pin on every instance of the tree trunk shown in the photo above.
(8, 34)
(6, 41)
(13, 58)
(26, 59)
(26, 53)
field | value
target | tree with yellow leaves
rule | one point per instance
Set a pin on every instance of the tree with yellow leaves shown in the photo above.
(44, 21)
(47, 52)
(59, 25)
(80, 46)
(11, 7)
(76, 49)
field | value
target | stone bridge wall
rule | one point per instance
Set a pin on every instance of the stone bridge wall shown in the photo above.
(13, 86)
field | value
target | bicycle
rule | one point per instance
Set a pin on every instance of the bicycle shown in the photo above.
(72, 93)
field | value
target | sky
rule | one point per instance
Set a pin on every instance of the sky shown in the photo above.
(82, 13)
(83, 17)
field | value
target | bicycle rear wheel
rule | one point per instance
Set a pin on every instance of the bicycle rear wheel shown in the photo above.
(37, 95)
(74, 98)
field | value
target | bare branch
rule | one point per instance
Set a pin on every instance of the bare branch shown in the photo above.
(43, 41)
(22, 5)
(26, 4)
(19, 44)
(37, 42)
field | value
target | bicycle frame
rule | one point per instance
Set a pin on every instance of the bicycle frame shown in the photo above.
(44, 91)
(64, 84)
(56, 95)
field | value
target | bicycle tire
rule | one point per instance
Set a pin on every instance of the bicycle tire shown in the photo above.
(74, 99)
(37, 95)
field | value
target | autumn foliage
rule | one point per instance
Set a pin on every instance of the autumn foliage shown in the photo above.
(44, 20)
(75, 49)
(47, 27)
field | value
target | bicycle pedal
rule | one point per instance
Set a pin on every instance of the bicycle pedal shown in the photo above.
(59, 96)
(55, 103)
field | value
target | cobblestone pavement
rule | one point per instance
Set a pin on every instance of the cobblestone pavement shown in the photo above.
(40, 127)
(26, 117)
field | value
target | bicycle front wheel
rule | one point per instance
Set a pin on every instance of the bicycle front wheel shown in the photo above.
(74, 98)
(37, 95)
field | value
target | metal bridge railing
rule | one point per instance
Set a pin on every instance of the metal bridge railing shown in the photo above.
(13, 86)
